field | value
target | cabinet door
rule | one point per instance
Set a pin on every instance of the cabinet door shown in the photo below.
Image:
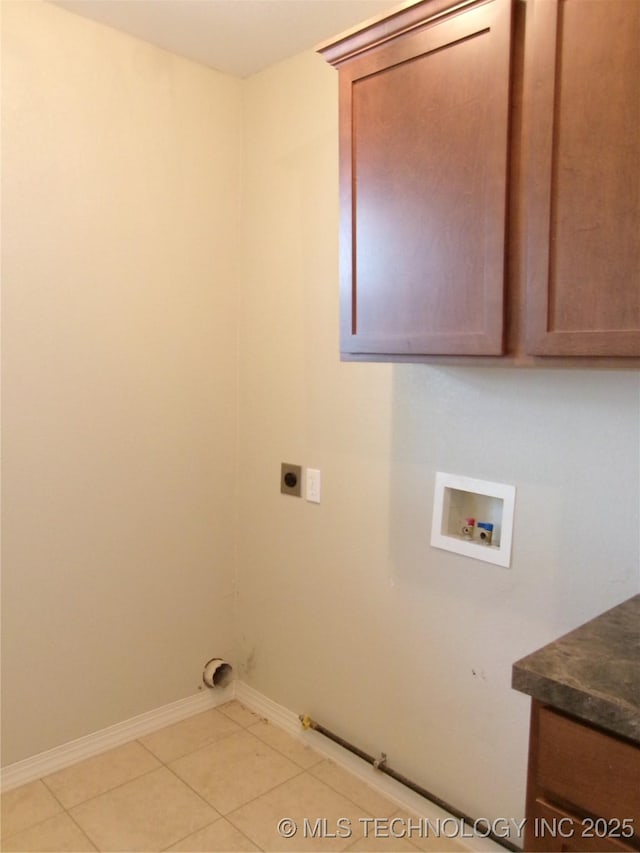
(583, 256)
(423, 161)
(597, 773)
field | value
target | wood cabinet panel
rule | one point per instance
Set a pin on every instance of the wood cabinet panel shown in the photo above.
(553, 829)
(424, 139)
(583, 787)
(477, 131)
(583, 188)
(582, 765)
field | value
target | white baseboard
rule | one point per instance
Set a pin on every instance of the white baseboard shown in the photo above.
(62, 756)
(404, 797)
(66, 754)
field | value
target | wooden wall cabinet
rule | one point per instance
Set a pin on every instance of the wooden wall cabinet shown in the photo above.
(583, 788)
(490, 181)
(583, 189)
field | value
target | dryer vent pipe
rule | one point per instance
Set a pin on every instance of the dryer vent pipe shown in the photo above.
(217, 673)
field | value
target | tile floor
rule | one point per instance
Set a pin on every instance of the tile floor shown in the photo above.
(218, 781)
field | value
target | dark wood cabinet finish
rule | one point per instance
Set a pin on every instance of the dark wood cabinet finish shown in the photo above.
(423, 160)
(490, 183)
(556, 830)
(583, 788)
(583, 190)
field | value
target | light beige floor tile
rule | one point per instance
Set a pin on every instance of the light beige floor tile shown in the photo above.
(376, 841)
(100, 773)
(354, 789)
(58, 834)
(312, 806)
(189, 735)
(294, 749)
(148, 813)
(238, 713)
(220, 835)
(234, 770)
(25, 806)
(425, 835)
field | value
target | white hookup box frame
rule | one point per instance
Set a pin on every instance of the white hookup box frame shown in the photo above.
(457, 498)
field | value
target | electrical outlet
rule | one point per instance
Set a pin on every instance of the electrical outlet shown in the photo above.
(291, 479)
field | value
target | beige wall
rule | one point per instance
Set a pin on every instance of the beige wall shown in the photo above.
(346, 612)
(120, 196)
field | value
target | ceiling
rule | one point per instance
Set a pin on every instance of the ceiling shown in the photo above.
(238, 37)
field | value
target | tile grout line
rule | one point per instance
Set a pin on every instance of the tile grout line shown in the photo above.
(4, 839)
(226, 816)
(85, 832)
(275, 726)
(308, 771)
(217, 820)
(162, 764)
(257, 797)
(208, 743)
(304, 772)
(87, 746)
(64, 811)
(107, 790)
(222, 816)
(135, 779)
(396, 807)
(204, 745)
(189, 834)
(165, 764)
(102, 793)
(301, 771)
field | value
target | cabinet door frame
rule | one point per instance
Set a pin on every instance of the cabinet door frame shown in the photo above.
(576, 770)
(467, 19)
(542, 52)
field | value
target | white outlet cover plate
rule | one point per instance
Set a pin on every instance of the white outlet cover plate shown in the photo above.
(500, 554)
(313, 480)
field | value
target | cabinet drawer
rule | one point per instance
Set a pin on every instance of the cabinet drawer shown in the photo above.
(557, 831)
(587, 768)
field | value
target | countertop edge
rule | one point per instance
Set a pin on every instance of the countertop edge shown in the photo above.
(588, 708)
(592, 672)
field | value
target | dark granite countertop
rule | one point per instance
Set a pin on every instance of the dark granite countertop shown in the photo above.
(592, 672)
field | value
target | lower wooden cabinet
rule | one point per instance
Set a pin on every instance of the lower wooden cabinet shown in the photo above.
(555, 829)
(583, 790)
